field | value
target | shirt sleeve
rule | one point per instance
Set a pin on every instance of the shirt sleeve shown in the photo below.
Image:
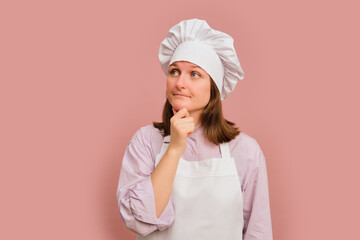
(135, 194)
(257, 217)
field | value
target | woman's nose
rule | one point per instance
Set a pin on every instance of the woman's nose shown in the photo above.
(181, 81)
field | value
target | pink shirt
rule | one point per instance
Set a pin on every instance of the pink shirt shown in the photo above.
(136, 201)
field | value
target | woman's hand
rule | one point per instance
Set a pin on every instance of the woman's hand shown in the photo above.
(182, 126)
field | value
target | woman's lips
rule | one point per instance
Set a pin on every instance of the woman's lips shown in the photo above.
(179, 95)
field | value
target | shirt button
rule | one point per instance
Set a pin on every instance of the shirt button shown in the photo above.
(192, 151)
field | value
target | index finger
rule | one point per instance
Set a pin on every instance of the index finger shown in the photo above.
(181, 113)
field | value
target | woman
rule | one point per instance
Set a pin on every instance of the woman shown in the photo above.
(194, 175)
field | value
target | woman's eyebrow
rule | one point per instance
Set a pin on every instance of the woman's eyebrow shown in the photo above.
(194, 66)
(175, 65)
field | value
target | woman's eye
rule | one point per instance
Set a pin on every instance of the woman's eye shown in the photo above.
(196, 74)
(172, 71)
(193, 74)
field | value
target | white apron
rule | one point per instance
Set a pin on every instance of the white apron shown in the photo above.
(207, 200)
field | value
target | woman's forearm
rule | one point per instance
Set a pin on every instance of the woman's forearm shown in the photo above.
(162, 179)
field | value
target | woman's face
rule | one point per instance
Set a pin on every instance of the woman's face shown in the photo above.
(188, 86)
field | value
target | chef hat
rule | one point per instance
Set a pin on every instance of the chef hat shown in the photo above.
(194, 41)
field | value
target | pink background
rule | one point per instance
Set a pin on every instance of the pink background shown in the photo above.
(78, 78)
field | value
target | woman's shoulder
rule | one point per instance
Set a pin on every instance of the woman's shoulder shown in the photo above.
(245, 146)
(244, 139)
(149, 136)
(147, 131)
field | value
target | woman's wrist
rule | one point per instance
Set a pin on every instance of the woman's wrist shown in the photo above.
(173, 153)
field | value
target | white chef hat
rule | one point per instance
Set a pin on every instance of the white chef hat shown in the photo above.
(194, 41)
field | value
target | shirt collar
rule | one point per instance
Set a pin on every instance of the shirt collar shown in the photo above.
(198, 129)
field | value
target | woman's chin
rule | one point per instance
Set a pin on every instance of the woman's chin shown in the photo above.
(177, 105)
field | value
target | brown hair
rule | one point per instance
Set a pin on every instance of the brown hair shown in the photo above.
(216, 128)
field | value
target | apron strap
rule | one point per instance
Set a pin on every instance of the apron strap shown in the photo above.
(166, 139)
(225, 151)
(164, 147)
